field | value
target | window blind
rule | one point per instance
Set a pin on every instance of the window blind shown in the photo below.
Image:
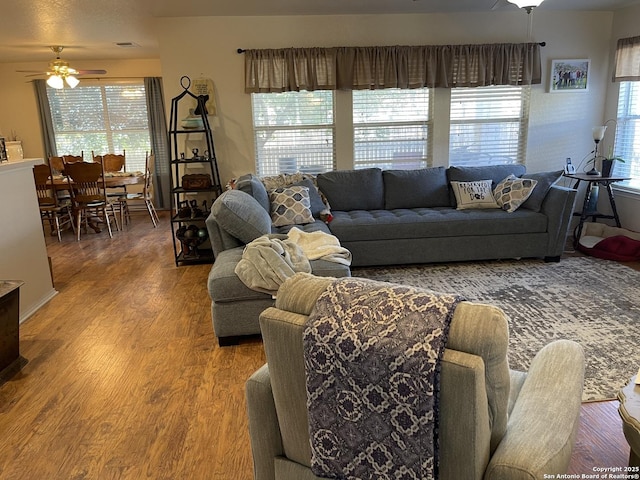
(392, 128)
(294, 131)
(627, 142)
(488, 125)
(105, 118)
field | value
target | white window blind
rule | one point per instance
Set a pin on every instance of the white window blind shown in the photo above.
(627, 143)
(294, 131)
(104, 118)
(488, 125)
(392, 128)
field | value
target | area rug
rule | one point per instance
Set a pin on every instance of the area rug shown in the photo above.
(592, 301)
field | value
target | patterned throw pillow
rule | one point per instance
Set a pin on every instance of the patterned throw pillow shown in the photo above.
(512, 192)
(290, 206)
(473, 194)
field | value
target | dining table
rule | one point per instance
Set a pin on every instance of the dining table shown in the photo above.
(111, 180)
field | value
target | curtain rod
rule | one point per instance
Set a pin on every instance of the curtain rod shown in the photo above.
(243, 50)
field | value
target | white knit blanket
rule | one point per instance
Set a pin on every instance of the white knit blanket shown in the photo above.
(320, 245)
(268, 261)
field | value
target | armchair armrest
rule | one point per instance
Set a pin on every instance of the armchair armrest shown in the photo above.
(266, 442)
(542, 428)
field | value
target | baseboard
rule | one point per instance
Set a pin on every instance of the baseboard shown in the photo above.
(34, 308)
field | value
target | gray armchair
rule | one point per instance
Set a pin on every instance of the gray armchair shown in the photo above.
(494, 423)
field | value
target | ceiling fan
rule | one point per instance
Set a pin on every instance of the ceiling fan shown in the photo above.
(60, 72)
(527, 5)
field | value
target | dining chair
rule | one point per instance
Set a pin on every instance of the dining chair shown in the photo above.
(56, 164)
(57, 213)
(146, 195)
(89, 196)
(72, 158)
(112, 162)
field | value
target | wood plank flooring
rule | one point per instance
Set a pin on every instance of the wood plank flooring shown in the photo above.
(125, 379)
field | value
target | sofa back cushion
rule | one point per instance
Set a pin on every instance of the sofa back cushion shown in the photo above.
(252, 185)
(544, 182)
(422, 188)
(348, 190)
(239, 214)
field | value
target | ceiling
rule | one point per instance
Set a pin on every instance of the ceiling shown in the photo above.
(90, 30)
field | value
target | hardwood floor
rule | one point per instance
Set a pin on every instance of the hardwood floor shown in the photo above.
(125, 380)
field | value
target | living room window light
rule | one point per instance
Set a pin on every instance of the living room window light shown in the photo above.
(392, 128)
(103, 118)
(488, 125)
(294, 131)
(627, 143)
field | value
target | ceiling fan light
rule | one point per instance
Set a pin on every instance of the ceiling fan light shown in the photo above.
(528, 5)
(72, 81)
(55, 81)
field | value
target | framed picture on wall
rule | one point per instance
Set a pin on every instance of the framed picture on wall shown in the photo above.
(570, 75)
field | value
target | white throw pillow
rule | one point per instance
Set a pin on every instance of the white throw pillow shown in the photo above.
(512, 192)
(476, 194)
(290, 206)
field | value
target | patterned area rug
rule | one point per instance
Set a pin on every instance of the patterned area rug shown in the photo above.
(594, 302)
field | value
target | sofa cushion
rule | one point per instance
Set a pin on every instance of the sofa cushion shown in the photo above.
(545, 180)
(477, 194)
(241, 215)
(252, 185)
(437, 222)
(290, 206)
(353, 189)
(425, 187)
(512, 192)
(316, 203)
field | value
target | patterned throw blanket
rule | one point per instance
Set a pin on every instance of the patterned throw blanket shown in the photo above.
(372, 358)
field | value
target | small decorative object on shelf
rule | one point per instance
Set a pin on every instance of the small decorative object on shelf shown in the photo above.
(191, 191)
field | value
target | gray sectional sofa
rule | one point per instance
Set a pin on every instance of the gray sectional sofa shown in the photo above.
(389, 217)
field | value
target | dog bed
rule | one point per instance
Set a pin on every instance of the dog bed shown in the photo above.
(611, 243)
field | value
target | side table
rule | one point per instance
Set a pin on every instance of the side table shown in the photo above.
(629, 411)
(590, 204)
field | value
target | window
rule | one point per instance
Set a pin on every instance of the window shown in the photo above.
(294, 131)
(105, 118)
(627, 144)
(488, 125)
(392, 128)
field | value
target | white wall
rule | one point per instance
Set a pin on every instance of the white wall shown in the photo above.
(560, 123)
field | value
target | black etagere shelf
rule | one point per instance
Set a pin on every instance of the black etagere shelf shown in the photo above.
(189, 211)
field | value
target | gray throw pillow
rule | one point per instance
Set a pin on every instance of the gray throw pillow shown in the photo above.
(348, 190)
(252, 185)
(241, 215)
(545, 180)
(421, 188)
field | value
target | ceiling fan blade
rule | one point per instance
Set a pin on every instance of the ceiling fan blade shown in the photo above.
(29, 71)
(91, 72)
(38, 74)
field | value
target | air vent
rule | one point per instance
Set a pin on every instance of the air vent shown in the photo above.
(127, 44)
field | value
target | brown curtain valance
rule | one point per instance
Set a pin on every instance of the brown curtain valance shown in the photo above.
(627, 67)
(357, 68)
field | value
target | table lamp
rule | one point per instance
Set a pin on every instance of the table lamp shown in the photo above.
(598, 135)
